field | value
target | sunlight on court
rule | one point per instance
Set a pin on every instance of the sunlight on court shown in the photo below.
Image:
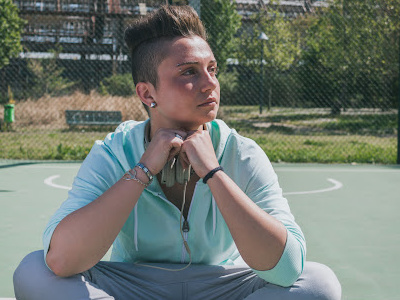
(348, 214)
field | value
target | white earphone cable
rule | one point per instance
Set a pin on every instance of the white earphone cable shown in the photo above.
(183, 239)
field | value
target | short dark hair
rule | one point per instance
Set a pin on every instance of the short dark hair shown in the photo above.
(145, 37)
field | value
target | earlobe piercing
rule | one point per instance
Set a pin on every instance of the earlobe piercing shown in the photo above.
(153, 104)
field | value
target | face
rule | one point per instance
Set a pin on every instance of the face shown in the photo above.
(188, 92)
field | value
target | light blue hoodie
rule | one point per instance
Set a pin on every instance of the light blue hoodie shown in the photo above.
(152, 231)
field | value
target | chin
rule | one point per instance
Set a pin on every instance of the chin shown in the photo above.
(209, 117)
(197, 122)
(212, 116)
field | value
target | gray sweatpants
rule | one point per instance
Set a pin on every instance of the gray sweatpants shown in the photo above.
(112, 280)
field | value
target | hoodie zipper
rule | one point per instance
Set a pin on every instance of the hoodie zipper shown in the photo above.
(185, 224)
(186, 228)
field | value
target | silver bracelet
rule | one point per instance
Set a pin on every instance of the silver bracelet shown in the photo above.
(146, 171)
(129, 176)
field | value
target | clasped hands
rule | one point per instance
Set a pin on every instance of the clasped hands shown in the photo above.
(194, 148)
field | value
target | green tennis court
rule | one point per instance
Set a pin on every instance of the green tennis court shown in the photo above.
(349, 215)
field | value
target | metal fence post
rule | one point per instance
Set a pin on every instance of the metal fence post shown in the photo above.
(261, 77)
(262, 37)
(398, 111)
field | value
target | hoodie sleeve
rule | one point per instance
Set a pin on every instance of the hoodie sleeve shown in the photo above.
(98, 172)
(255, 175)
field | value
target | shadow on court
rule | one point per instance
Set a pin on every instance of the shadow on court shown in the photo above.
(349, 215)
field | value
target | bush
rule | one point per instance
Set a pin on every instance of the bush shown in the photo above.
(48, 77)
(228, 82)
(118, 85)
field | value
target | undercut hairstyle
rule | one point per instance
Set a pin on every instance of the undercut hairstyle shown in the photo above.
(145, 38)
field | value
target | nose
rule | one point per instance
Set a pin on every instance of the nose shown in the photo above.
(210, 81)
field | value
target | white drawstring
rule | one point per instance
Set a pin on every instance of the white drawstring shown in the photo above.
(214, 215)
(183, 238)
(136, 229)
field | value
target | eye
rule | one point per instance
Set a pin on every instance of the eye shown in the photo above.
(213, 70)
(188, 71)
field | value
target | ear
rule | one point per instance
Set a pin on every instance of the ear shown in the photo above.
(145, 91)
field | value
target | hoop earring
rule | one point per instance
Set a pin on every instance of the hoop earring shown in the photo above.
(153, 104)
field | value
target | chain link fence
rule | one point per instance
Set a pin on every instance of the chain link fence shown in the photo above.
(310, 81)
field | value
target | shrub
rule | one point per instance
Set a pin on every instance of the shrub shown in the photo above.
(228, 82)
(118, 85)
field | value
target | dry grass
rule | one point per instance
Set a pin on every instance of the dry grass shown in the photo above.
(49, 112)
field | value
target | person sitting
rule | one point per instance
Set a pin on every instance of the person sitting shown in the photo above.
(192, 209)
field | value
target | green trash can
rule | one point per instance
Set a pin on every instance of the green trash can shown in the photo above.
(9, 116)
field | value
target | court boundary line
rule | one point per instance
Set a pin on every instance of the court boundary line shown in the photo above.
(49, 181)
(336, 186)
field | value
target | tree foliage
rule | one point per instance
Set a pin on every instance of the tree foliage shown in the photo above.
(222, 22)
(341, 56)
(353, 46)
(267, 60)
(118, 85)
(47, 77)
(10, 31)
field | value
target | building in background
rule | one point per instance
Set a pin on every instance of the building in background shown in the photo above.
(88, 34)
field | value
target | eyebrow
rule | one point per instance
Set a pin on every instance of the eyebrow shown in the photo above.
(193, 63)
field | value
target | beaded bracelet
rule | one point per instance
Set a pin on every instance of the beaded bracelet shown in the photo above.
(211, 173)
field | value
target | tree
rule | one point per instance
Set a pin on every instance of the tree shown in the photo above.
(222, 22)
(279, 54)
(354, 46)
(11, 26)
(48, 76)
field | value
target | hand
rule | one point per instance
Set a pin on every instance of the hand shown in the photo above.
(162, 148)
(197, 150)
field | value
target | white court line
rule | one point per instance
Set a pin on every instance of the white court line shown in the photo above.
(336, 185)
(49, 182)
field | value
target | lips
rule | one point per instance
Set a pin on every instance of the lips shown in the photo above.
(209, 101)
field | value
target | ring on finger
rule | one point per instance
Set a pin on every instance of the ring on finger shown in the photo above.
(178, 136)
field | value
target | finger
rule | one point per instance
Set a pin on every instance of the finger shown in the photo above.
(176, 145)
(184, 160)
(174, 152)
(177, 135)
(180, 134)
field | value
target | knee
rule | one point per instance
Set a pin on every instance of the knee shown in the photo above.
(322, 281)
(28, 273)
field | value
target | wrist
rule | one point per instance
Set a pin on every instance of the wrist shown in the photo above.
(140, 173)
(132, 175)
(149, 164)
(211, 173)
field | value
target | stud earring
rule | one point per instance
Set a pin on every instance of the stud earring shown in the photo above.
(153, 104)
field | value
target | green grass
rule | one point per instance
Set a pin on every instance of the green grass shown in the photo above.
(286, 135)
(42, 145)
(328, 149)
(313, 135)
